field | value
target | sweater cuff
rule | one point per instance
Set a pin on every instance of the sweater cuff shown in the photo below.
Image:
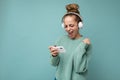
(54, 57)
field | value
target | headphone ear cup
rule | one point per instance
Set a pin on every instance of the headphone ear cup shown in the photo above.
(80, 25)
(62, 25)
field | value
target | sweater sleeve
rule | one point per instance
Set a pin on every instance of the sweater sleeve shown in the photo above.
(82, 57)
(54, 60)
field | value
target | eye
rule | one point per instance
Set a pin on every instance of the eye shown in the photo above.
(65, 26)
(71, 25)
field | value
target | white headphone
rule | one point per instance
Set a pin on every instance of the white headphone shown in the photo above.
(80, 24)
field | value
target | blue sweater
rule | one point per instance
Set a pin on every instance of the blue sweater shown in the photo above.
(73, 64)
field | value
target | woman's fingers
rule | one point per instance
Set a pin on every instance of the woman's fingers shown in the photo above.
(53, 51)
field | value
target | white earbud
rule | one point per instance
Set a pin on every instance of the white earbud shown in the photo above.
(80, 25)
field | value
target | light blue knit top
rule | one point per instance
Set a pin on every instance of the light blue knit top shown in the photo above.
(73, 64)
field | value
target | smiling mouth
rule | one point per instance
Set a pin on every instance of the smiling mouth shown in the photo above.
(70, 32)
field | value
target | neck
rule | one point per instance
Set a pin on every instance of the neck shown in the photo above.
(78, 36)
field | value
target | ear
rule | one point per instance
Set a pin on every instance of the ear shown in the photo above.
(80, 25)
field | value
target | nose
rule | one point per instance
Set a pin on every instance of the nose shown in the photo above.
(68, 28)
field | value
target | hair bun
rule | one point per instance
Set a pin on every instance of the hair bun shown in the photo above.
(72, 8)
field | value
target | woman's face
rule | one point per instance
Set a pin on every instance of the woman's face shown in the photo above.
(71, 27)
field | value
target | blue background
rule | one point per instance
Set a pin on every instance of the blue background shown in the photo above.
(28, 27)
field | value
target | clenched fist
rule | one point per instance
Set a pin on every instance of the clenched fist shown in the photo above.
(86, 40)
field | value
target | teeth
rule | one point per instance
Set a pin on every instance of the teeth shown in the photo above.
(70, 31)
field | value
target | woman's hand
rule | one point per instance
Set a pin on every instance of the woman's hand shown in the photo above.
(53, 50)
(87, 41)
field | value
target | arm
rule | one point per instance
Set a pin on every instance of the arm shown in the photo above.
(54, 60)
(82, 57)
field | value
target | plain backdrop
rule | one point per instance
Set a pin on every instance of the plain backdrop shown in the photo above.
(28, 27)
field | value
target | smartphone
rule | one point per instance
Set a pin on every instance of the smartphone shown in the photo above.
(61, 49)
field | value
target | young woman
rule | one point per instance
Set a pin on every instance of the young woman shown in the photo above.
(73, 63)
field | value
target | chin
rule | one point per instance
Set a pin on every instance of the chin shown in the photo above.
(72, 37)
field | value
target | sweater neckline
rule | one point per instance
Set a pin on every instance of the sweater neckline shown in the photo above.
(81, 38)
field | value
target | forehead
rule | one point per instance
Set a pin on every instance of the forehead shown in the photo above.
(69, 19)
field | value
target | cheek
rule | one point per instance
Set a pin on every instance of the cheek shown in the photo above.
(75, 28)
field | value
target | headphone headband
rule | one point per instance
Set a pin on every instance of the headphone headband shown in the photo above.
(74, 14)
